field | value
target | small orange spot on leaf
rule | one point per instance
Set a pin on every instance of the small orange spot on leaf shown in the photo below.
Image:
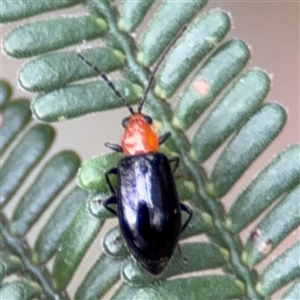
(265, 246)
(201, 86)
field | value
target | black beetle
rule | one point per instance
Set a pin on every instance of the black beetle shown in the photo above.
(148, 207)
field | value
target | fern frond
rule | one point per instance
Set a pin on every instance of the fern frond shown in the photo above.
(239, 122)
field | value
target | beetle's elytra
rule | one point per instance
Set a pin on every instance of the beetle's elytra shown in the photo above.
(148, 207)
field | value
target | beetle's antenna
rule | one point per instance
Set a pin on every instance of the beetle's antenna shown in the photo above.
(109, 83)
(158, 65)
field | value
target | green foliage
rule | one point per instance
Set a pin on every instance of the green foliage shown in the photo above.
(26, 41)
(67, 103)
(21, 289)
(25, 144)
(239, 118)
(250, 89)
(58, 69)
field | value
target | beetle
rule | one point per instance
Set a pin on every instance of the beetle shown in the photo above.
(148, 206)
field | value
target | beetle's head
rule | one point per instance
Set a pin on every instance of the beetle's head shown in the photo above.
(139, 136)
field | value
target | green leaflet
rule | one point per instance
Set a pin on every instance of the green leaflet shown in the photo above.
(24, 157)
(114, 245)
(125, 291)
(50, 236)
(200, 256)
(9, 264)
(223, 65)
(101, 277)
(75, 242)
(292, 292)
(249, 142)
(204, 287)
(21, 289)
(78, 100)
(5, 93)
(55, 70)
(201, 37)
(238, 105)
(281, 175)
(20, 9)
(281, 271)
(16, 116)
(170, 17)
(274, 227)
(132, 13)
(49, 182)
(37, 38)
(91, 173)
(185, 189)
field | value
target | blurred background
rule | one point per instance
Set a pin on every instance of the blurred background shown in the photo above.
(270, 28)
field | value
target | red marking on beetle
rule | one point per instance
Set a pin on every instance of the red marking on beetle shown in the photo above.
(139, 137)
(201, 86)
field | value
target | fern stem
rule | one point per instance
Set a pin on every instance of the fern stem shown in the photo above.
(123, 39)
(163, 112)
(232, 242)
(39, 273)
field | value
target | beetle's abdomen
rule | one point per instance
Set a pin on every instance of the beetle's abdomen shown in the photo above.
(149, 209)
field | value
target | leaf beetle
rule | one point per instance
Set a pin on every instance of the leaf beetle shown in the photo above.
(148, 207)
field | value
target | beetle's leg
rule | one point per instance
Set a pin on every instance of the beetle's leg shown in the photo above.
(113, 199)
(176, 160)
(189, 211)
(164, 137)
(114, 147)
(184, 258)
(107, 202)
(111, 171)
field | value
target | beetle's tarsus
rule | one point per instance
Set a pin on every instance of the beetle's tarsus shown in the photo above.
(164, 137)
(184, 258)
(112, 200)
(176, 160)
(113, 171)
(189, 211)
(114, 147)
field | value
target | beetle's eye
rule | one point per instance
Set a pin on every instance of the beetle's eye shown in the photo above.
(125, 122)
(148, 119)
